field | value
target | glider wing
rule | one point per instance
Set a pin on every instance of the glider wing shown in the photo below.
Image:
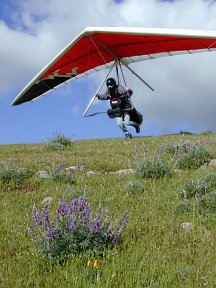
(96, 48)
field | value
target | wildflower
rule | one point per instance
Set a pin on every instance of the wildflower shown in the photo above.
(89, 263)
(117, 237)
(124, 219)
(62, 210)
(178, 154)
(75, 230)
(36, 216)
(72, 225)
(144, 150)
(79, 166)
(76, 206)
(96, 263)
(51, 230)
(31, 232)
(95, 226)
(161, 149)
(136, 151)
(85, 209)
(45, 214)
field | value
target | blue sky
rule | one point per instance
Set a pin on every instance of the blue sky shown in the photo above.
(32, 32)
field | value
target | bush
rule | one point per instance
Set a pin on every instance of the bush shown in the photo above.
(194, 159)
(12, 177)
(153, 167)
(196, 188)
(59, 142)
(188, 154)
(60, 174)
(134, 187)
(182, 207)
(75, 229)
(208, 202)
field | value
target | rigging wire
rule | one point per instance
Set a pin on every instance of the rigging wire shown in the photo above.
(98, 50)
(122, 73)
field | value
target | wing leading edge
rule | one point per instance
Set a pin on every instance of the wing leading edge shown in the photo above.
(96, 48)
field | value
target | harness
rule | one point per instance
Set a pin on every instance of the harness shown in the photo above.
(119, 101)
(119, 104)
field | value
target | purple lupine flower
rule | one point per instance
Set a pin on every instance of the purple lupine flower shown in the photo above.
(36, 216)
(86, 213)
(70, 208)
(76, 206)
(109, 234)
(144, 150)
(72, 225)
(79, 166)
(45, 214)
(62, 210)
(31, 232)
(135, 150)
(177, 154)
(161, 149)
(51, 230)
(83, 202)
(96, 225)
(123, 222)
(62, 165)
(85, 209)
(117, 237)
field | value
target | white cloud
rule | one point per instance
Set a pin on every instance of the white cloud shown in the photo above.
(185, 85)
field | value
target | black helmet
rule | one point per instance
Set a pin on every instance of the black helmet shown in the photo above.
(110, 82)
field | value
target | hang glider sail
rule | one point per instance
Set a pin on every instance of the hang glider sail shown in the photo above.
(98, 48)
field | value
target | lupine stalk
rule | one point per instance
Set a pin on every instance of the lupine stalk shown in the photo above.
(45, 214)
(36, 216)
(62, 210)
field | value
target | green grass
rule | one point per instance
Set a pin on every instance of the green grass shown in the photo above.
(156, 251)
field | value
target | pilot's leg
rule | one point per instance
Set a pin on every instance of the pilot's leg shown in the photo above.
(131, 123)
(123, 127)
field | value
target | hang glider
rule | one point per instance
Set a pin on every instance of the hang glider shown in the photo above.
(98, 48)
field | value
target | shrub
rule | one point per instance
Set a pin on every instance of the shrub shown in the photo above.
(195, 188)
(182, 207)
(75, 229)
(59, 142)
(60, 174)
(188, 154)
(12, 177)
(194, 159)
(153, 167)
(207, 202)
(134, 187)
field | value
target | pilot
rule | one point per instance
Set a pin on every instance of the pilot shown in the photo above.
(121, 106)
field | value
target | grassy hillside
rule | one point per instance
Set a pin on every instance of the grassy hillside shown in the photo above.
(169, 240)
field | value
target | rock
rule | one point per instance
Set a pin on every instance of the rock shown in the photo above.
(90, 173)
(212, 163)
(187, 226)
(47, 200)
(123, 172)
(42, 174)
(75, 168)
